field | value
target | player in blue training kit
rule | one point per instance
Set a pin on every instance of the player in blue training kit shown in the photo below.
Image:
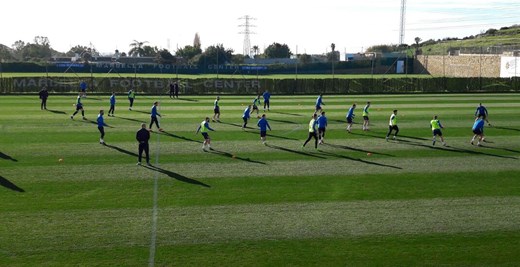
(350, 117)
(322, 126)
(101, 128)
(312, 131)
(204, 128)
(319, 103)
(478, 130)
(246, 116)
(482, 112)
(263, 125)
(153, 116)
(112, 104)
(79, 106)
(267, 97)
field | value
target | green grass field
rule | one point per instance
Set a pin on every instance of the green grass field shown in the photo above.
(245, 204)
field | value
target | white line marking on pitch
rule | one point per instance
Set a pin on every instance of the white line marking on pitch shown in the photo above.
(151, 259)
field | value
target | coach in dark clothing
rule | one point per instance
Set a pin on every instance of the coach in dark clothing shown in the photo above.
(142, 137)
(43, 96)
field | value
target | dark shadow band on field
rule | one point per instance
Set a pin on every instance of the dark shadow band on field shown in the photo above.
(357, 149)
(286, 113)
(455, 149)
(124, 151)
(272, 135)
(359, 160)
(56, 111)
(179, 137)
(7, 157)
(176, 176)
(295, 151)
(229, 155)
(8, 184)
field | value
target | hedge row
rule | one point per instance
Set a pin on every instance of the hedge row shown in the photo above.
(276, 86)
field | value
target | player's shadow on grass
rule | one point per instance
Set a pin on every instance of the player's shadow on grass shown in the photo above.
(284, 121)
(506, 128)
(139, 111)
(8, 184)
(295, 151)
(286, 113)
(229, 155)
(129, 119)
(359, 160)
(272, 135)
(455, 149)
(413, 137)
(232, 124)
(7, 157)
(56, 111)
(124, 151)
(179, 137)
(176, 176)
(381, 136)
(357, 149)
(187, 99)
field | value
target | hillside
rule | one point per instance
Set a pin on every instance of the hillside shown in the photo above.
(491, 41)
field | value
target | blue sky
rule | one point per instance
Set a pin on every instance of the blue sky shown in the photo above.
(305, 25)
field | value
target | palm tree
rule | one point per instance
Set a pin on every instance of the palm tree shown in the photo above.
(255, 50)
(137, 48)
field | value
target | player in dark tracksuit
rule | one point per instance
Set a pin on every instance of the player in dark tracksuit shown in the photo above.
(142, 136)
(44, 94)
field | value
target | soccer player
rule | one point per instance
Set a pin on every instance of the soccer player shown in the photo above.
(392, 125)
(44, 94)
(79, 107)
(256, 103)
(322, 125)
(131, 98)
(436, 129)
(350, 117)
(216, 110)
(172, 90)
(176, 89)
(153, 116)
(319, 102)
(246, 116)
(312, 132)
(101, 128)
(365, 116)
(112, 104)
(263, 125)
(203, 128)
(482, 112)
(478, 130)
(267, 97)
(142, 136)
(83, 86)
